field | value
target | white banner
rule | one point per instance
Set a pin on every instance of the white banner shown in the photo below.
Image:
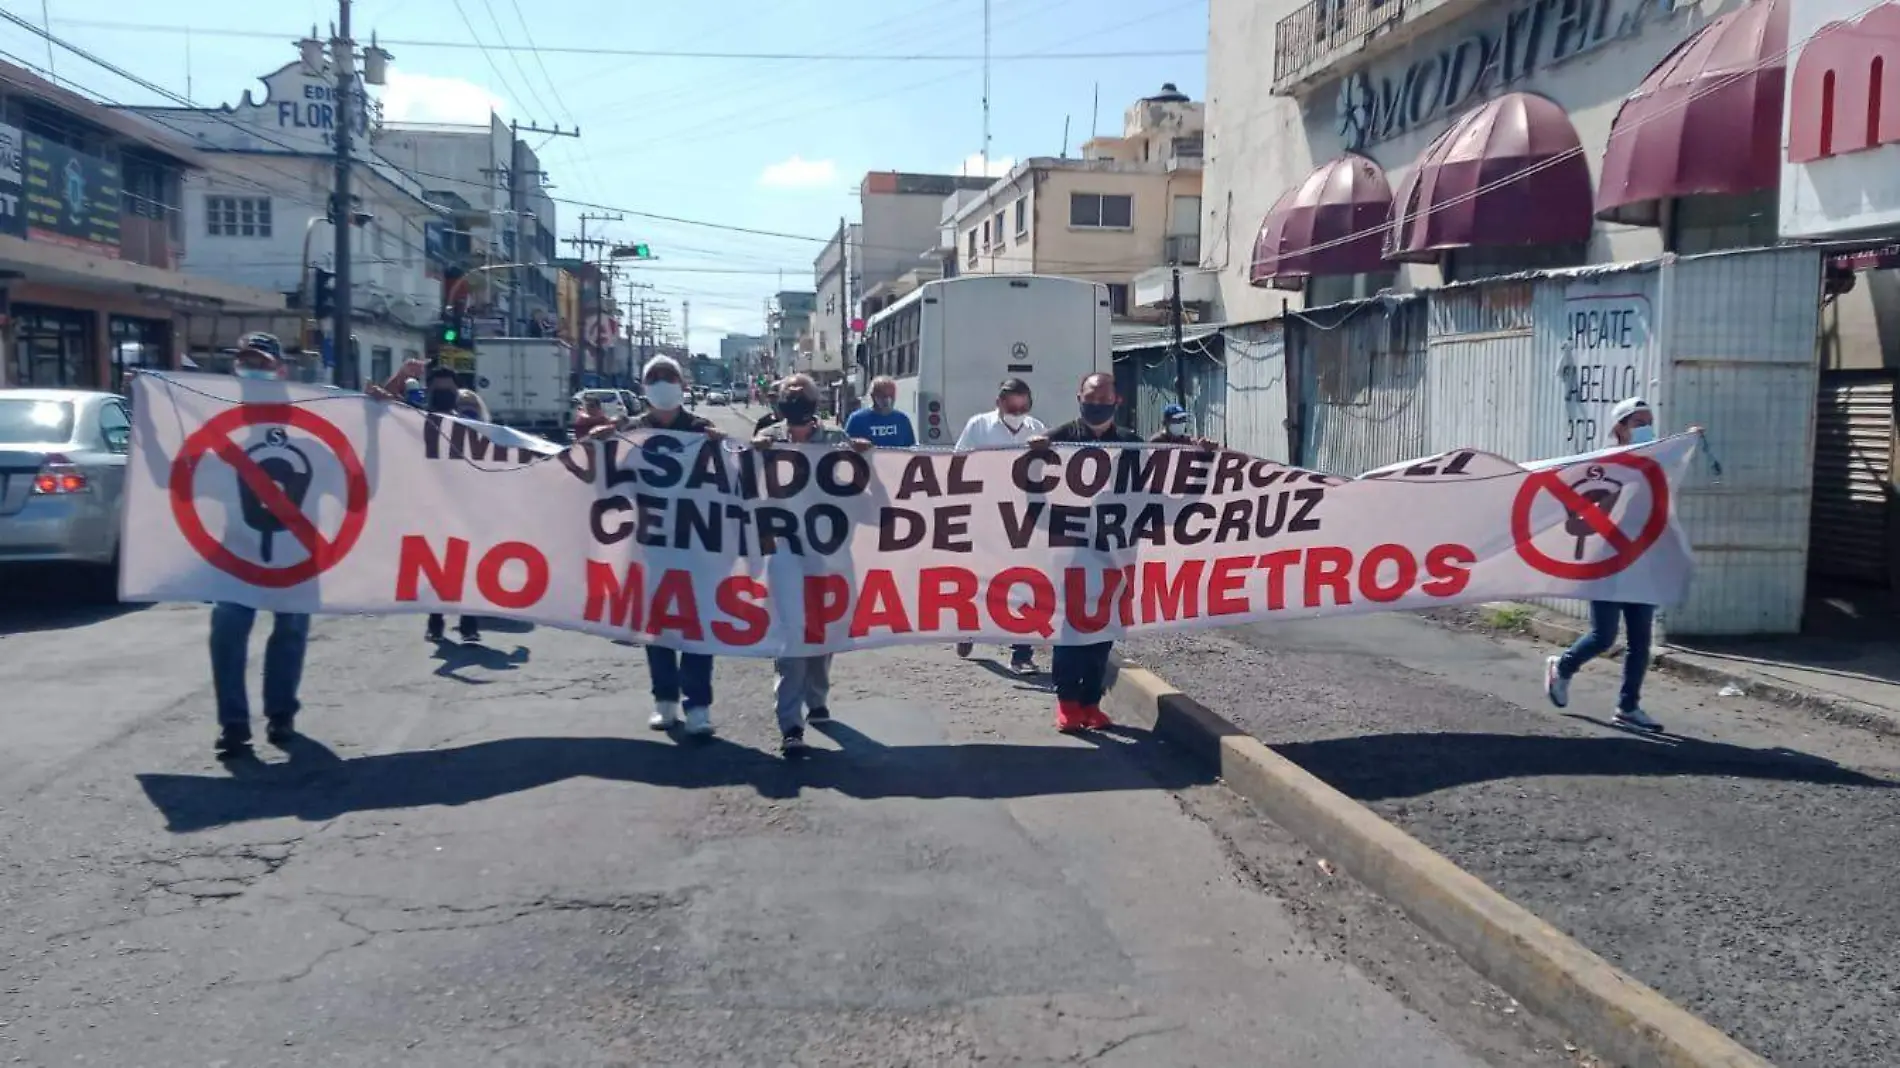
(295, 498)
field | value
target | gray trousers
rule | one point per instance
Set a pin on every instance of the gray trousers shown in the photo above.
(803, 682)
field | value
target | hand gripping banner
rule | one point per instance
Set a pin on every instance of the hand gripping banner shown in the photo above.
(296, 498)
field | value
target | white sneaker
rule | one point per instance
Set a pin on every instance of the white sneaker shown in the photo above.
(666, 715)
(1556, 687)
(699, 720)
(1636, 717)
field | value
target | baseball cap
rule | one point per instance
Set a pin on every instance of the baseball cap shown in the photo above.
(262, 342)
(1174, 413)
(1627, 407)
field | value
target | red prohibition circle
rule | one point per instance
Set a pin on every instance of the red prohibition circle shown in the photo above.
(215, 438)
(1628, 549)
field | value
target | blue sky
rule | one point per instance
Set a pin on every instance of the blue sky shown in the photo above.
(775, 145)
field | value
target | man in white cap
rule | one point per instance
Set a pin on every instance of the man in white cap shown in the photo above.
(1631, 423)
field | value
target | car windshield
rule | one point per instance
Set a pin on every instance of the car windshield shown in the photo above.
(29, 422)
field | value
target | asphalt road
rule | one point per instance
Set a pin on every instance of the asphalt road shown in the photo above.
(1745, 866)
(482, 856)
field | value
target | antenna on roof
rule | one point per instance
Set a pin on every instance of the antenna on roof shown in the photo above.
(1065, 137)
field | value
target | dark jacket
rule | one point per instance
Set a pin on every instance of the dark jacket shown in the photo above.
(1165, 438)
(1078, 432)
(764, 421)
(686, 422)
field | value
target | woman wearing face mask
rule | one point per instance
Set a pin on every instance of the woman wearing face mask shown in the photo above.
(1631, 423)
(1008, 426)
(675, 674)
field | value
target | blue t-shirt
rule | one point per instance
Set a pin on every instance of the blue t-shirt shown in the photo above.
(892, 431)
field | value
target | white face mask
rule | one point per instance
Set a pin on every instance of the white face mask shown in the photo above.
(257, 373)
(667, 395)
(1013, 422)
(1642, 435)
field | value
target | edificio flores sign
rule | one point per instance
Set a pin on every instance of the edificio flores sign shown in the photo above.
(1534, 35)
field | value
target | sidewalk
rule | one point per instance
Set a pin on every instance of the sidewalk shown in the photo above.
(1846, 669)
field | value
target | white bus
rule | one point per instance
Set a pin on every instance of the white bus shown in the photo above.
(952, 342)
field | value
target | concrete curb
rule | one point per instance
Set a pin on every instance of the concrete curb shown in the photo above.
(1610, 1012)
(1556, 632)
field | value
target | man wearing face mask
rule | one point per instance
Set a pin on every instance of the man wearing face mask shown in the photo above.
(1008, 426)
(231, 624)
(804, 682)
(1079, 670)
(675, 674)
(882, 424)
(1631, 423)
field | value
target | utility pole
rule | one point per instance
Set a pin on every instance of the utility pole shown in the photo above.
(589, 316)
(517, 199)
(633, 286)
(1180, 363)
(342, 57)
(986, 88)
(844, 299)
(686, 327)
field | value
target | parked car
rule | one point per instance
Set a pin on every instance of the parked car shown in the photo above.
(612, 401)
(62, 478)
(718, 396)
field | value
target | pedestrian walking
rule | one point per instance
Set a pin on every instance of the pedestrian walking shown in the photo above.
(1174, 430)
(677, 676)
(1080, 671)
(445, 398)
(803, 691)
(259, 357)
(1007, 426)
(1632, 422)
(882, 424)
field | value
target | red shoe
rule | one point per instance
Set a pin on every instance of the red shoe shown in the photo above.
(1070, 717)
(1093, 718)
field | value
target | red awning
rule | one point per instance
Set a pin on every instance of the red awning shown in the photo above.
(1511, 172)
(1331, 223)
(1706, 120)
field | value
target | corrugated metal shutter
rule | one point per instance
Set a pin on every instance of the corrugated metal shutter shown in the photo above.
(1853, 467)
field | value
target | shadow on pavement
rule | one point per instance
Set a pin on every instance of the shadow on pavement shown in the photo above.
(455, 657)
(311, 790)
(1040, 681)
(1379, 767)
(56, 597)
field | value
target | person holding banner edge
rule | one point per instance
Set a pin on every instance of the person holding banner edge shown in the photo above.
(803, 689)
(1080, 671)
(231, 625)
(1632, 422)
(675, 674)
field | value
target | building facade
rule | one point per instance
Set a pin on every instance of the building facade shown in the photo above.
(1130, 204)
(788, 326)
(901, 216)
(835, 276)
(261, 215)
(1362, 145)
(94, 235)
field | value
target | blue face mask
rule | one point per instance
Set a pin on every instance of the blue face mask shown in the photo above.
(1642, 435)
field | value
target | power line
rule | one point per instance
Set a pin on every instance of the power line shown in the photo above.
(666, 53)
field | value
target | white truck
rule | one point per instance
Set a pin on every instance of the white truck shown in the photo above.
(524, 382)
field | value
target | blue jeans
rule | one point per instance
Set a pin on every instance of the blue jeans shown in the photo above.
(283, 664)
(676, 675)
(1639, 620)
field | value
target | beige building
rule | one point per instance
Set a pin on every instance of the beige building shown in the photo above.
(1130, 204)
(1372, 89)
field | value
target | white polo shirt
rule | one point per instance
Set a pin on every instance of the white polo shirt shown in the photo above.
(988, 431)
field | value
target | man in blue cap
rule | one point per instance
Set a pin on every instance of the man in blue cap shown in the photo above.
(1174, 429)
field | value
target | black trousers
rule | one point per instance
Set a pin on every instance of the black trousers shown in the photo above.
(1079, 671)
(466, 625)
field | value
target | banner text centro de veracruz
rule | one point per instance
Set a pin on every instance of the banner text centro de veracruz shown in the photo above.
(303, 499)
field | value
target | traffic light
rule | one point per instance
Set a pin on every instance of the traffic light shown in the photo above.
(323, 282)
(640, 251)
(451, 334)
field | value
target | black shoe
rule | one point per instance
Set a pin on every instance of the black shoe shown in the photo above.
(1023, 666)
(433, 634)
(793, 746)
(233, 744)
(964, 649)
(280, 731)
(471, 637)
(820, 714)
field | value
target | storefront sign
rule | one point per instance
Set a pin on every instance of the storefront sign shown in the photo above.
(72, 199)
(1606, 343)
(12, 212)
(308, 105)
(1377, 106)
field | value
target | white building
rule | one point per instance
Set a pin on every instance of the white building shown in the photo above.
(835, 274)
(262, 214)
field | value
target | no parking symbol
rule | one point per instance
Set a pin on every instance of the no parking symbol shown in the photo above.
(274, 481)
(1590, 495)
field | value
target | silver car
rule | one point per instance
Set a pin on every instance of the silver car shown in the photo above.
(62, 475)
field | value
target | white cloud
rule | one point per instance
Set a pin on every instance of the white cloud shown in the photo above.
(799, 173)
(973, 165)
(426, 98)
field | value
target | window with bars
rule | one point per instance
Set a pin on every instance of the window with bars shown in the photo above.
(237, 216)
